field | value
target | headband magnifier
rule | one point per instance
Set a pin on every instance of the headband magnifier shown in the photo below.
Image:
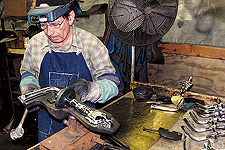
(46, 14)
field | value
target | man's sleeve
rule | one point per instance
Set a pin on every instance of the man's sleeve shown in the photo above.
(29, 80)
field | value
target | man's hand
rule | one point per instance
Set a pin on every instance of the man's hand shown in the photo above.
(89, 91)
(27, 88)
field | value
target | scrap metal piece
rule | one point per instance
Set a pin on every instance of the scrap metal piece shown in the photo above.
(164, 108)
(209, 111)
(220, 105)
(196, 120)
(186, 85)
(212, 127)
(215, 119)
(212, 135)
(178, 100)
(211, 114)
(188, 132)
(207, 146)
(186, 142)
(193, 128)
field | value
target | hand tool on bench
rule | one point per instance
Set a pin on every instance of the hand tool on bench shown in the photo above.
(165, 133)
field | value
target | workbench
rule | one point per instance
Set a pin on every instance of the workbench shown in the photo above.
(164, 144)
(133, 116)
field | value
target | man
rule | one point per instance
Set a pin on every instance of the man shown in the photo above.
(61, 51)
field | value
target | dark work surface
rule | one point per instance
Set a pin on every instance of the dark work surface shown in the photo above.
(133, 116)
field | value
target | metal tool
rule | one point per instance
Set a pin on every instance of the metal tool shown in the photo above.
(209, 111)
(147, 103)
(164, 108)
(178, 100)
(220, 105)
(210, 114)
(186, 142)
(158, 100)
(207, 146)
(186, 85)
(19, 131)
(212, 135)
(166, 133)
(215, 119)
(62, 102)
(192, 127)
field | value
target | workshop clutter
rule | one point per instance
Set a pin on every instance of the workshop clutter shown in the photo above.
(16, 7)
(203, 115)
(207, 125)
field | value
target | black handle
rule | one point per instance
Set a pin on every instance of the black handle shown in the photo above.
(170, 135)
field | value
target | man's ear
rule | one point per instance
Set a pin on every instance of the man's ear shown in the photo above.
(71, 17)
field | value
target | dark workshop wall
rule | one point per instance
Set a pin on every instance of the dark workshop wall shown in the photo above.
(208, 74)
(200, 22)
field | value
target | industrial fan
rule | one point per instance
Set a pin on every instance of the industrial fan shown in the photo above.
(141, 22)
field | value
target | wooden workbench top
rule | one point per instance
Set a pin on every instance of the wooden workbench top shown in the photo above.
(164, 144)
(134, 115)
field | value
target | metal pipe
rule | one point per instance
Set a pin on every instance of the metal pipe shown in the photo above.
(206, 115)
(213, 135)
(188, 132)
(186, 142)
(193, 128)
(214, 126)
(215, 119)
(196, 120)
(164, 108)
(219, 105)
(133, 63)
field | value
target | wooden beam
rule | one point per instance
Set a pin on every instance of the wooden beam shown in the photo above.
(194, 50)
(16, 50)
(169, 92)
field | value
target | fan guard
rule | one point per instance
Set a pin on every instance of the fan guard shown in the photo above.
(141, 22)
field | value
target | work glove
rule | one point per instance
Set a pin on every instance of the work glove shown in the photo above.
(89, 91)
(27, 88)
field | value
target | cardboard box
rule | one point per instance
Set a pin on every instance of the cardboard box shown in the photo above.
(16, 7)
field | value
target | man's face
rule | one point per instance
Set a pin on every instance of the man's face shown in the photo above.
(58, 31)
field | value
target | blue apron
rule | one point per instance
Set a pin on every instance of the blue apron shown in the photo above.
(55, 69)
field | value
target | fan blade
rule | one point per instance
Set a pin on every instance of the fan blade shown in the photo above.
(141, 22)
(148, 26)
(126, 18)
(140, 4)
(133, 24)
(160, 11)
